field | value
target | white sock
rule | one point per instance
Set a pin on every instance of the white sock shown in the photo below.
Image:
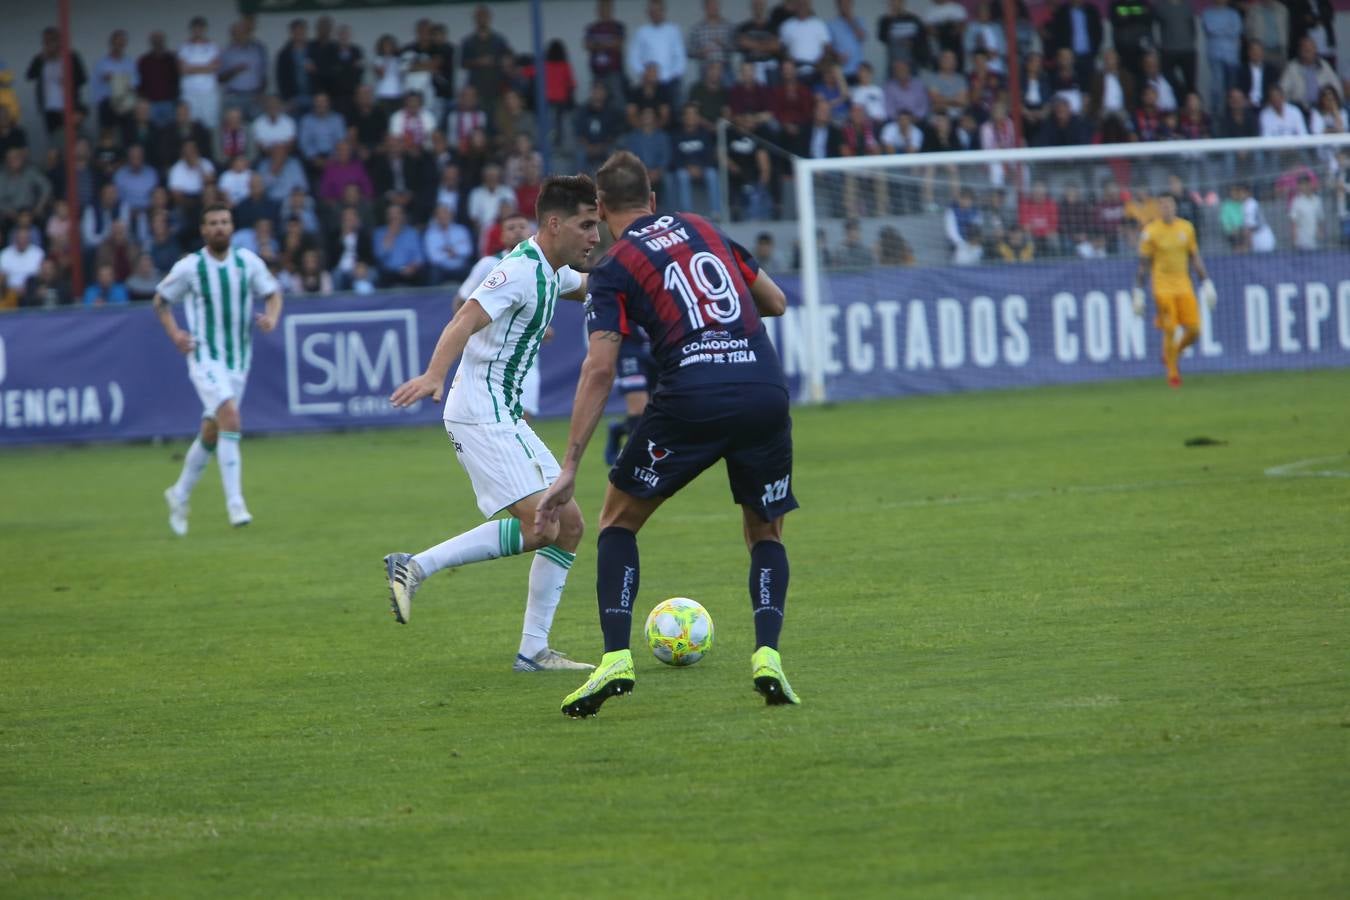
(548, 577)
(194, 464)
(231, 467)
(491, 540)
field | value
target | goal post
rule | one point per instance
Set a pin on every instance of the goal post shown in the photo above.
(930, 272)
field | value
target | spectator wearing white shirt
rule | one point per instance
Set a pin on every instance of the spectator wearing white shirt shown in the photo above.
(659, 42)
(1306, 76)
(234, 181)
(987, 35)
(1280, 119)
(198, 62)
(188, 176)
(805, 39)
(1154, 77)
(412, 124)
(21, 260)
(902, 135)
(1307, 215)
(485, 201)
(868, 94)
(274, 126)
(448, 246)
(1260, 239)
(1329, 117)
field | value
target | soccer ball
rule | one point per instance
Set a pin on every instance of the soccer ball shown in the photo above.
(679, 631)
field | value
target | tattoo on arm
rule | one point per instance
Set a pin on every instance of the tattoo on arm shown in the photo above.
(612, 336)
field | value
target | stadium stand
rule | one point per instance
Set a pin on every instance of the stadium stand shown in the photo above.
(314, 141)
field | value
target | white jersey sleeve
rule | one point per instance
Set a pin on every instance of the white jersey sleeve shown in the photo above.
(261, 281)
(504, 288)
(569, 279)
(176, 285)
(479, 272)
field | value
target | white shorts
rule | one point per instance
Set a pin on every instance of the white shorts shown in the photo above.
(506, 462)
(215, 383)
(529, 391)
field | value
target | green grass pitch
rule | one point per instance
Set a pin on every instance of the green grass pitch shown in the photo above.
(1044, 650)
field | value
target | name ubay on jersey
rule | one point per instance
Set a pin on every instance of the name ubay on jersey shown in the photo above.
(217, 298)
(519, 295)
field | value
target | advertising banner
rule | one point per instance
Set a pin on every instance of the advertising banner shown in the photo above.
(111, 374)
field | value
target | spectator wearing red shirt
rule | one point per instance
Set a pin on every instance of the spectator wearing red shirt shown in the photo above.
(604, 42)
(560, 85)
(747, 95)
(1193, 123)
(1148, 118)
(527, 192)
(158, 69)
(792, 104)
(1039, 215)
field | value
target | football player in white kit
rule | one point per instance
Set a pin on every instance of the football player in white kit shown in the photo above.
(216, 286)
(497, 332)
(515, 228)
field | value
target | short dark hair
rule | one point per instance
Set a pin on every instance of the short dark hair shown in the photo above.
(215, 207)
(622, 182)
(513, 214)
(564, 194)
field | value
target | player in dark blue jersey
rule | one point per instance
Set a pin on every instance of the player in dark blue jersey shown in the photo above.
(720, 396)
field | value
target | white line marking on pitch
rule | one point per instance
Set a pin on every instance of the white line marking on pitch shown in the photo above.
(1299, 469)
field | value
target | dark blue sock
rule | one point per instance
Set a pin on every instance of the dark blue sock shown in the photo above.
(768, 590)
(616, 584)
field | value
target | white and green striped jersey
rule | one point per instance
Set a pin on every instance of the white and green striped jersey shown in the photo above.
(478, 274)
(519, 295)
(217, 297)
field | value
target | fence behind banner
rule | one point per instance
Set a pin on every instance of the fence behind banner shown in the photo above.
(79, 375)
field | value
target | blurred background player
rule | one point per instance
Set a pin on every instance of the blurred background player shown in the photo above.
(637, 378)
(498, 331)
(720, 395)
(1168, 246)
(216, 286)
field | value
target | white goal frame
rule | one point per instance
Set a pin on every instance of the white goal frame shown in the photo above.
(804, 179)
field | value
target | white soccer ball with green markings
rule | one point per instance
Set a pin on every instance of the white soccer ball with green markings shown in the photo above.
(679, 631)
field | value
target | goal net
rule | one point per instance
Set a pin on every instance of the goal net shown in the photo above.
(933, 272)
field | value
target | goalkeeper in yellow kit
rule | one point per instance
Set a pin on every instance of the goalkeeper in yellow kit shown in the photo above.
(1168, 244)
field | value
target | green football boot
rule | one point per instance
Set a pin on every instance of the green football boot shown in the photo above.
(612, 678)
(767, 669)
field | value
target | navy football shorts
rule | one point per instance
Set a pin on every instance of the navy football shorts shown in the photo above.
(637, 370)
(683, 433)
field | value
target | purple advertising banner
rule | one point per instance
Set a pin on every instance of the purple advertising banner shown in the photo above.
(82, 375)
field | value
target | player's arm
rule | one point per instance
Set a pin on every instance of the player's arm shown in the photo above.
(769, 297)
(164, 311)
(578, 293)
(271, 314)
(1209, 295)
(470, 318)
(597, 380)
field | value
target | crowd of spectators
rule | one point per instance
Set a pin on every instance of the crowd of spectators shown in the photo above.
(353, 167)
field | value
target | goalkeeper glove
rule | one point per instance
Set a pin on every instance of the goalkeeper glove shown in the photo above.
(1208, 294)
(1138, 301)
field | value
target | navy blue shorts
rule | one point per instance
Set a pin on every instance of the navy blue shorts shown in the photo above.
(681, 434)
(637, 370)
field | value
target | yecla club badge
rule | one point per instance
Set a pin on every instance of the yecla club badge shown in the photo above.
(648, 474)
